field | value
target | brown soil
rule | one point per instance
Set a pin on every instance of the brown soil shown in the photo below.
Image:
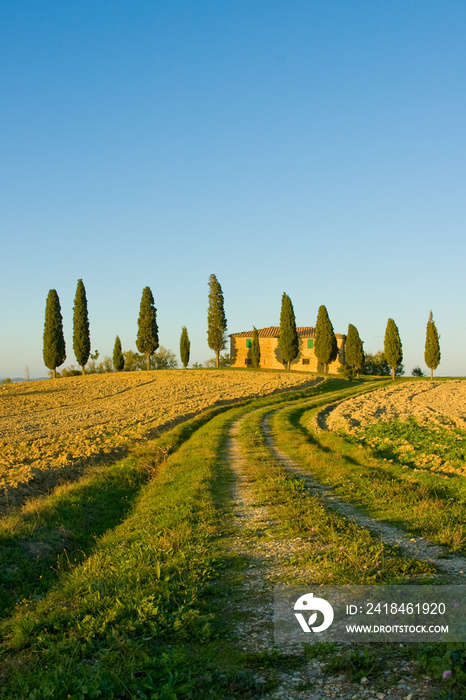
(51, 430)
(438, 404)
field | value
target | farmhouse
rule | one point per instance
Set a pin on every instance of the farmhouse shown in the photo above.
(241, 343)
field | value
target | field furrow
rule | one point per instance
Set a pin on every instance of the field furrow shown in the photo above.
(51, 431)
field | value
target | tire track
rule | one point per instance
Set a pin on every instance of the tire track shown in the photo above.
(416, 548)
(251, 604)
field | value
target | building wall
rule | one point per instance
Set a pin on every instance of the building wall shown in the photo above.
(271, 357)
(269, 349)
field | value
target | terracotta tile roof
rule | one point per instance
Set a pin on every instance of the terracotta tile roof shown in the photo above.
(306, 331)
(270, 332)
(274, 332)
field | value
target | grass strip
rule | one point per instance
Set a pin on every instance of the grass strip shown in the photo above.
(119, 625)
(415, 501)
(57, 531)
(419, 502)
(340, 551)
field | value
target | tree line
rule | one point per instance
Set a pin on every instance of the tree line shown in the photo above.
(147, 339)
(356, 361)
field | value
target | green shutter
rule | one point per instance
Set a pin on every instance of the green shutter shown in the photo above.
(310, 343)
(249, 343)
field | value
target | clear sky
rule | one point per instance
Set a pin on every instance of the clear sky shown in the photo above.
(313, 147)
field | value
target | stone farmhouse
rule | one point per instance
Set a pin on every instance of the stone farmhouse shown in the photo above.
(241, 343)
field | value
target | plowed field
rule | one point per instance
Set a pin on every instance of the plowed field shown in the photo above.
(50, 430)
(418, 424)
(429, 403)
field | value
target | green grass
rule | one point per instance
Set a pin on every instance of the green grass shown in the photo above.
(58, 531)
(339, 550)
(419, 502)
(55, 532)
(104, 630)
(435, 659)
(431, 447)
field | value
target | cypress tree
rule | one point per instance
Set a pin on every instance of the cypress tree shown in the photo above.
(216, 321)
(325, 346)
(81, 338)
(185, 346)
(432, 350)
(54, 343)
(392, 346)
(147, 340)
(288, 342)
(255, 348)
(354, 354)
(118, 359)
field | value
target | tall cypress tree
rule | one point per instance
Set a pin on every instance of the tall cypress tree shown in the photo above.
(216, 321)
(288, 342)
(392, 346)
(118, 359)
(185, 347)
(325, 346)
(255, 348)
(147, 340)
(54, 350)
(432, 350)
(354, 354)
(81, 338)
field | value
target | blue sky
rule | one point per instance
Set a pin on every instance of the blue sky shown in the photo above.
(315, 148)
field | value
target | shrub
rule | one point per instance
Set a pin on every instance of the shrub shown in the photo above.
(377, 365)
(223, 361)
(417, 372)
(346, 372)
(162, 359)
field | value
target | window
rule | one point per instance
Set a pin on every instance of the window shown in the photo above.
(248, 361)
(305, 360)
(310, 343)
(249, 343)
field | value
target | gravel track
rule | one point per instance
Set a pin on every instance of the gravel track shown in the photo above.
(251, 606)
(416, 548)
